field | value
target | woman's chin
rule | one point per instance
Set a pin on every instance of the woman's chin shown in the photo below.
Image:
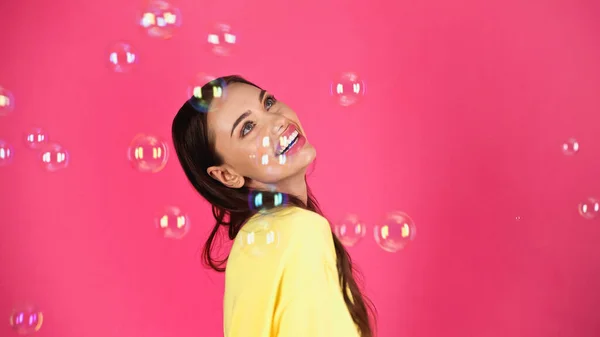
(304, 157)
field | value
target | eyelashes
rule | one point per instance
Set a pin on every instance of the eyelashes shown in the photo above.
(269, 102)
(245, 129)
(248, 126)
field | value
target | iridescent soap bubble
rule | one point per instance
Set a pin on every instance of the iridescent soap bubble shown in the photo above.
(26, 320)
(267, 157)
(160, 19)
(7, 102)
(147, 153)
(54, 157)
(6, 153)
(36, 138)
(214, 90)
(395, 232)
(121, 57)
(260, 238)
(350, 230)
(570, 147)
(265, 200)
(347, 88)
(172, 223)
(221, 39)
(589, 208)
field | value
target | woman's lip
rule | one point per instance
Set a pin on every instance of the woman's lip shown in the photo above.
(298, 145)
(283, 140)
(289, 130)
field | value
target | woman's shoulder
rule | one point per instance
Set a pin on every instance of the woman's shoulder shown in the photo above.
(291, 220)
(289, 232)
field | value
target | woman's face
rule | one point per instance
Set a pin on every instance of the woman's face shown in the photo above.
(258, 137)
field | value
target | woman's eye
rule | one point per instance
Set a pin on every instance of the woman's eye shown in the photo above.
(269, 102)
(247, 127)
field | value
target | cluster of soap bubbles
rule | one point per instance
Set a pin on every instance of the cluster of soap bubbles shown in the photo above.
(589, 208)
(149, 153)
(51, 155)
(261, 238)
(161, 20)
(392, 233)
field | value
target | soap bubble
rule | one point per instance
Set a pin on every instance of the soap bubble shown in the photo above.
(350, 230)
(395, 232)
(121, 57)
(6, 153)
(36, 138)
(570, 147)
(259, 239)
(589, 208)
(54, 157)
(160, 19)
(221, 39)
(26, 319)
(147, 153)
(214, 90)
(172, 223)
(7, 102)
(266, 200)
(267, 159)
(348, 89)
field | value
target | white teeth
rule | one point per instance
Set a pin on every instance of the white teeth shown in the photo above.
(284, 142)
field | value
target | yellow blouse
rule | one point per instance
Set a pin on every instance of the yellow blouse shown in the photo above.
(281, 279)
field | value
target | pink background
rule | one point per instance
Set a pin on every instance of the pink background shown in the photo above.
(468, 104)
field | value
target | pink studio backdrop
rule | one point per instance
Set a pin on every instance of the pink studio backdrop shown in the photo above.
(466, 110)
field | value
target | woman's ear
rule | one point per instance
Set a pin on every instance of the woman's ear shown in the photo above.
(226, 176)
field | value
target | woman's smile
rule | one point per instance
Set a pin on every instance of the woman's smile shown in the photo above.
(290, 141)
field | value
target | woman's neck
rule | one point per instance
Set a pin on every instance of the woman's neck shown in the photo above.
(295, 186)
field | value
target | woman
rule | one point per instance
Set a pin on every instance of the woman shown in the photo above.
(233, 138)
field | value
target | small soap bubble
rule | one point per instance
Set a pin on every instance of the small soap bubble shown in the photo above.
(147, 153)
(350, 230)
(36, 138)
(7, 102)
(266, 200)
(160, 19)
(570, 147)
(205, 90)
(121, 57)
(259, 239)
(347, 89)
(26, 319)
(172, 223)
(222, 39)
(268, 157)
(589, 208)
(6, 153)
(54, 157)
(395, 232)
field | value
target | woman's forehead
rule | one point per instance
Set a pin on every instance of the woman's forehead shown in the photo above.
(236, 95)
(238, 98)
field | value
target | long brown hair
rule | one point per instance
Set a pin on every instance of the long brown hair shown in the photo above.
(230, 206)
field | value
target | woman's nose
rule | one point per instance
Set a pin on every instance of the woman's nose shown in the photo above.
(278, 125)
